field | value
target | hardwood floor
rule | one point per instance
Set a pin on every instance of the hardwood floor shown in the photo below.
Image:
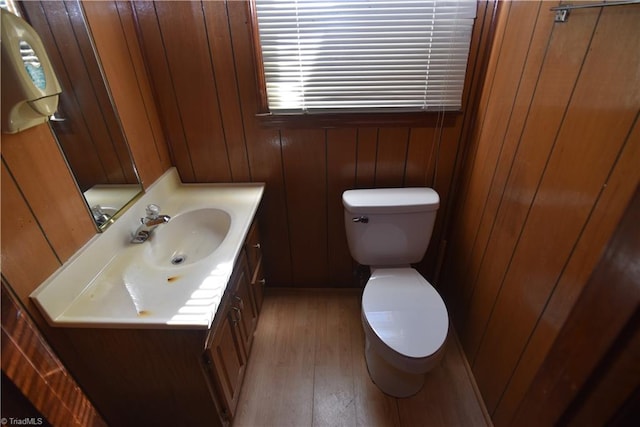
(307, 368)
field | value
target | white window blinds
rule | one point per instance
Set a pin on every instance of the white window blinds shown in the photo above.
(350, 55)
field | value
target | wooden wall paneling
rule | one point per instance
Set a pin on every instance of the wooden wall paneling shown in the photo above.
(366, 157)
(36, 163)
(116, 57)
(83, 87)
(305, 171)
(27, 256)
(518, 116)
(608, 392)
(500, 97)
(391, 156)
(479, 50)
(152, 44)
(470, 153)
(453, 130)
(162, 158)
(341, 176)
(420, 157)
(555, 84)
(263, 149)
(445, 154)
(450, 145)
(419, 171)
(602, 222)
(221, 51)
(14, 402)
(264, 154)
(30, 364)
(453, 127)
(76, 134)
(608, 306)
(107, 109)
(512, 101)
(586, 148)
(189, 60)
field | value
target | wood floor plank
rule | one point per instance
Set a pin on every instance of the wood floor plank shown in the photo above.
(307, 368)
(448, 397)
(278, 387)
(334, 394)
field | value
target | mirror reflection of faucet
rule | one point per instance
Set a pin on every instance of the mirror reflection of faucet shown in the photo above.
(149, 223)
(99, 215)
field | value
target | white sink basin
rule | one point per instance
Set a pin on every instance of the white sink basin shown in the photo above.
(175, 279)
(188, 238)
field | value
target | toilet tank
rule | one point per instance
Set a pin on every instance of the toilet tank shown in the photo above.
(389, 226)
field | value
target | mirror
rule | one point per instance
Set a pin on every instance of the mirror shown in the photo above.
(86, 124)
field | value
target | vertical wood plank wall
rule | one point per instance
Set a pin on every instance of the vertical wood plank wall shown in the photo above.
(552, 164)
(37, 373)
(205, 86)
(591, 375)
(96, 153)
(112, 26)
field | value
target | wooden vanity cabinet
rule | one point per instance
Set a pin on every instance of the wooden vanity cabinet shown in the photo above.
(229, 342)
(231, 335)
(178, 376)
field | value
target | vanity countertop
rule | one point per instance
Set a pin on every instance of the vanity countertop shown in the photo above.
(112, 283)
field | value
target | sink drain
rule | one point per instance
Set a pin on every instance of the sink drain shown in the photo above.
(178, 259)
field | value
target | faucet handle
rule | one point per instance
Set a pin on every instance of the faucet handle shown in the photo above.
(153, 211)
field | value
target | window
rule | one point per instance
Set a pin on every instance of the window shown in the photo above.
(352, 56)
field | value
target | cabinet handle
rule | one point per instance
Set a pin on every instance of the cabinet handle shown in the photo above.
(262, 281)
(240, 302)
(239, 313)
(257, 246)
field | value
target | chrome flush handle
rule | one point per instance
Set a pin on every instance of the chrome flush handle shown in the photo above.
(362, 219)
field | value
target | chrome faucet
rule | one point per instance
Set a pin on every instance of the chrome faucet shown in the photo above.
(149, 223)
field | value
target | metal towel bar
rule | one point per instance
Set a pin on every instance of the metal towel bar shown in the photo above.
(562, 11)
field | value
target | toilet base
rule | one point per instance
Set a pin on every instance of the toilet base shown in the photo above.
(388, 378)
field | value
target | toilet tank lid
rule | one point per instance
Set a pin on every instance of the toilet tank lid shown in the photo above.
(391, 200)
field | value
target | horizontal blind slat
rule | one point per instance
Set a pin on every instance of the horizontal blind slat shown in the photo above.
(323, 55)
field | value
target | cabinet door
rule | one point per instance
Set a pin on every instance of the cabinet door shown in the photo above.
(244, 307)
(227, 361)
(257, 286)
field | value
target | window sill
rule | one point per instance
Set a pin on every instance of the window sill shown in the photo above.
(345, 120)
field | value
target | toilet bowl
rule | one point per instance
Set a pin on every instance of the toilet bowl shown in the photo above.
(404, 319)
(405, 323)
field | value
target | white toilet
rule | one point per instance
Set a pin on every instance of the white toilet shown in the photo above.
(404, 318)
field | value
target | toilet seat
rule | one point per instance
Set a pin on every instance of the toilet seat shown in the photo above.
(406, 316)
